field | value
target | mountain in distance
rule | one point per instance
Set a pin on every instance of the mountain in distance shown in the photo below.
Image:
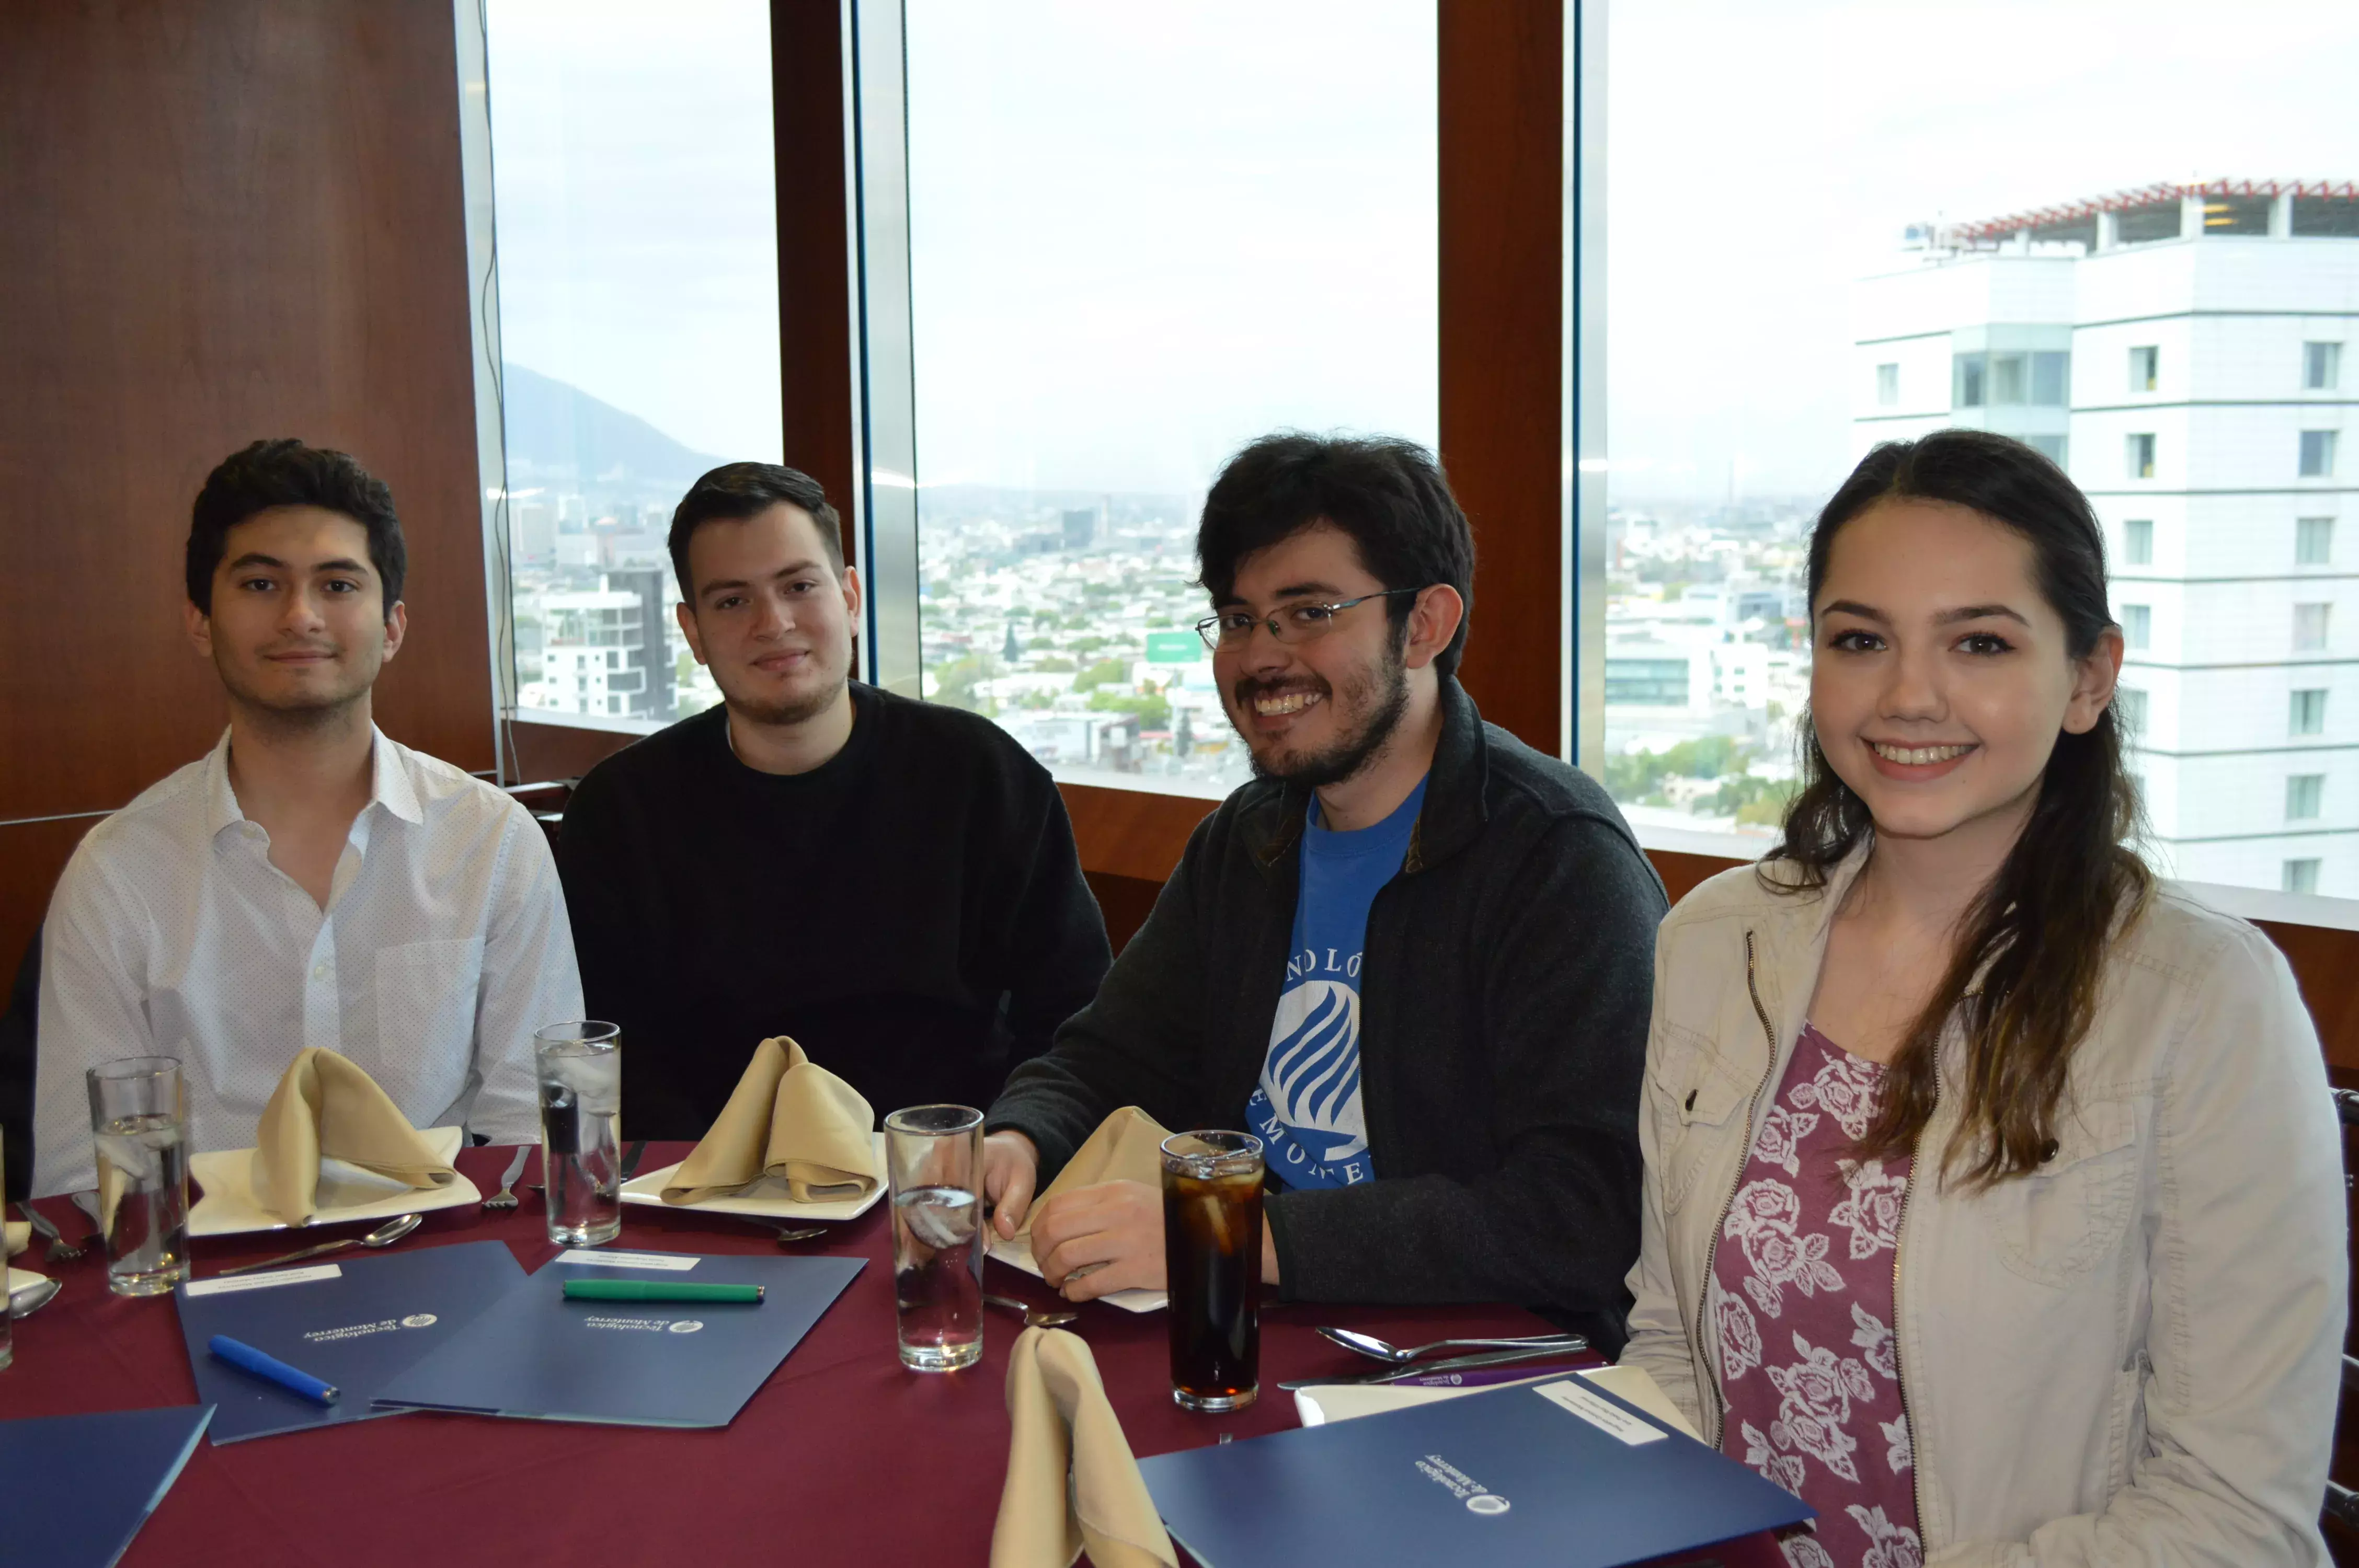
(559, 431)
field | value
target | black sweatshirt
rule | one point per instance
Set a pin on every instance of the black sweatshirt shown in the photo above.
(1503, 1013)
(912, 911)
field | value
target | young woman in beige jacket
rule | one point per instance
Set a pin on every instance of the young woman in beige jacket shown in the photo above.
(1992, 1189)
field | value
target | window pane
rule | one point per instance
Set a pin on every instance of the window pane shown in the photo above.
(2313, 541)
(2310, 712)
(2318, 454)
(2322, 367)
(2137, 625)
(2137, 542)
(2310, 628)
(1978, 209)
(1140, 237)
(635, 207)
(1887, 386)
(2303, 794)
(2300, 876)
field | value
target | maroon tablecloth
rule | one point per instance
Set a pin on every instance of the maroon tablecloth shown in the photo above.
(842, 1457)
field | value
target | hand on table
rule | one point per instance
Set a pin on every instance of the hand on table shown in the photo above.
(1094, 1240)
(1011, 1164)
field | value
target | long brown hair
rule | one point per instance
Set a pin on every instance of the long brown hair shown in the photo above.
(2031, 950)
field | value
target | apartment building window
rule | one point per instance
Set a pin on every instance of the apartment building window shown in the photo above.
(2322, 367)
(1887, 386)
(1969, 384)
(2309, 712)
(2318, 454)
(2301, 876)
(2313, 541)
(2129, 707)
(2051, 446)
(2051, 377)
(2310, 628)
(2137, 625)
(2137, 542)
(2141, 455)
(2145, 362)
(2305, 794)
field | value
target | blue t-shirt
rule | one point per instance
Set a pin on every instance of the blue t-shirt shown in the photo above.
(1307, 1109)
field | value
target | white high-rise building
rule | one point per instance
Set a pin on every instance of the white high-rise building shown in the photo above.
(2191, 354)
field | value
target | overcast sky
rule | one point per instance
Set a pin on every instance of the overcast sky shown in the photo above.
(1141, 234)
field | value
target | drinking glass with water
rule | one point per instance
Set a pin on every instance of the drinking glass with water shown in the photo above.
(580, 1068)
(138, 1123)
(934, 1155)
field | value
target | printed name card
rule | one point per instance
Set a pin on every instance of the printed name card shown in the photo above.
(1602, 1413)
(265, 1281)
(671, 1261)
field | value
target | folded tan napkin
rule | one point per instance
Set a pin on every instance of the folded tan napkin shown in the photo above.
(788, 1118)
(1072, 1481)
(20, 1235)
(1126, 1146)
(326, 1107)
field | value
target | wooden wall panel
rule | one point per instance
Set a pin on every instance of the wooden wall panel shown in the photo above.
(1502, 315)
(807, 107)
(31, 855)
(219, 220)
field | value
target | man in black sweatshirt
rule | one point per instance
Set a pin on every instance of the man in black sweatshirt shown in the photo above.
(1414, 956)
(891, 883)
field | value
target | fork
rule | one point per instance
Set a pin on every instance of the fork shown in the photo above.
(61, 1249)
(504, 1199)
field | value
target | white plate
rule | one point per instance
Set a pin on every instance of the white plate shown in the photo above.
(346, 1191)
(765, 1199)
(21, 1279)
(1018, 1254)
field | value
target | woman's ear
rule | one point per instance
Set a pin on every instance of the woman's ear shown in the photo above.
(2094, 679)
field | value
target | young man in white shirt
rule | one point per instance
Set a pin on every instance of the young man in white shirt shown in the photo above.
(310, 881)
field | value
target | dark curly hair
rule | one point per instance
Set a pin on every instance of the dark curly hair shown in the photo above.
(286, 472)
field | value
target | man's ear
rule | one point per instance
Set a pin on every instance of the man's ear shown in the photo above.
(687, 619)
(396, 627)
(201, 628)
(1434, 618)
(852, 591)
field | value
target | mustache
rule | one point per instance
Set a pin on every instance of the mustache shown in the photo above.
(1248, 688)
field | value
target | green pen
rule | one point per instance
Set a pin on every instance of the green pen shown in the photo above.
(656, 1290)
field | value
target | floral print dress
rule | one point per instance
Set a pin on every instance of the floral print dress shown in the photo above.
(1801, 1300)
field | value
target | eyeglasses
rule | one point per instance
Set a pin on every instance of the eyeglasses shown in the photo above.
(1286, 623)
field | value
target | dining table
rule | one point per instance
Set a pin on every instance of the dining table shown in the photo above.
(842, 1456)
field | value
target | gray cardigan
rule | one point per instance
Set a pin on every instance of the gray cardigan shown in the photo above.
(1504, 1007)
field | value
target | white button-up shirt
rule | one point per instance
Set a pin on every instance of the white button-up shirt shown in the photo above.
(443, 946)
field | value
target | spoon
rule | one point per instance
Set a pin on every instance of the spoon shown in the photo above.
(1033, 1316)
(1398, 1354)
(385, 1235)
(801, 1233)
(33, 1298)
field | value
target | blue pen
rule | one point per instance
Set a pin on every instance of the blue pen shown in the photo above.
(246, 1358)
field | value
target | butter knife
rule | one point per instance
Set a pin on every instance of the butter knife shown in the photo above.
(1454, 1364)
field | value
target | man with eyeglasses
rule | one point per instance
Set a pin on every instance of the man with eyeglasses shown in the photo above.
(1413, 955)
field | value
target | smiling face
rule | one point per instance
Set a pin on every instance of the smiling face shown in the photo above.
(1313, 712)
(1941, 676)
(299, 625)
(768, 614)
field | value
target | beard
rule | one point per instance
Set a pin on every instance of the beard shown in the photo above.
(1379, 695)
(789, 710)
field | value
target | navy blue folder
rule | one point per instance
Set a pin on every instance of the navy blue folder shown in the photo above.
(375, 1318)
(538, 1356)
(79, 1486)
(1526, 1474)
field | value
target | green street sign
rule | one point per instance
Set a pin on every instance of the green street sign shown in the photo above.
(1174, 647)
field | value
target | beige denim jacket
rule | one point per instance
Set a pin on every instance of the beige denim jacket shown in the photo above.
(2129, 1356)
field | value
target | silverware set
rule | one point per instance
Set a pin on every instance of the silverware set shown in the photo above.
(1398, 1362)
